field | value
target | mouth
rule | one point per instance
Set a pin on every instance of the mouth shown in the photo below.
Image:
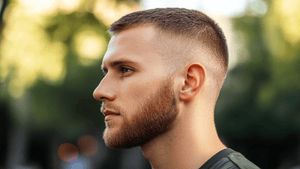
(107, 113)
(110, 115)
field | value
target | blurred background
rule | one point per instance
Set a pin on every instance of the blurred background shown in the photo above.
(50, 57)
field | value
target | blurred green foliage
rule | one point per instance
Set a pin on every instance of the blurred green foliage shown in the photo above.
(261, 96)
(50, 55)
(52, 58)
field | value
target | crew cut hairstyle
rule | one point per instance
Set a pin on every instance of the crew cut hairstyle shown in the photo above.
(181, 22)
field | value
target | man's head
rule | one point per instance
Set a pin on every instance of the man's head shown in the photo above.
(188, 27)
(155, 60)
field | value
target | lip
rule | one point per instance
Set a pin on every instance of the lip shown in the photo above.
(110, 117)
(108, 112)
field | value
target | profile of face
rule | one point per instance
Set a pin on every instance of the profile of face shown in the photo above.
(136, 88)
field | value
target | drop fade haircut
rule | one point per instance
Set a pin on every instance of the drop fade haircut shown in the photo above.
(180, 22)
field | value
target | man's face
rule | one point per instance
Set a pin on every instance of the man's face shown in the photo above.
(136, 89)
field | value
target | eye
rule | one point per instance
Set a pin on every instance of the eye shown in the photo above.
(125, 69)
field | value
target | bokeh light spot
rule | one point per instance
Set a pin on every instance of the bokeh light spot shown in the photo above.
(288, 14)
(109, 11)
(77, 165)
(48, 7)
(89, 45)
(69, 6)
(88, 145)
(259, 7)
(67, 152)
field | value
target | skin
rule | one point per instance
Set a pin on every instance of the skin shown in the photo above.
(188, 138)
(153, 117)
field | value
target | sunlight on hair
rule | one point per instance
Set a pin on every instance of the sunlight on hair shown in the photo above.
(289, 18)
(67, 152)
(89, 45)
(48, 7)
(109, 11)
(88, 146)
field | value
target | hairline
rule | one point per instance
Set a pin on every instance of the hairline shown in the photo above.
(217, 52)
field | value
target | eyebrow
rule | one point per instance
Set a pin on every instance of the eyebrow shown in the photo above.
(116, 63)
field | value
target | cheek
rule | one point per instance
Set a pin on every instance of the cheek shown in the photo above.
(139, 91)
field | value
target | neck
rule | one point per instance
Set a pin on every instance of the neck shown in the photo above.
(189, 144)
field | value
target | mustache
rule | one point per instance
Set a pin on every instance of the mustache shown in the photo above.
(111, 107)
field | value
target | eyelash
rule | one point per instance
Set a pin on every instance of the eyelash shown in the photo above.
(122, 69)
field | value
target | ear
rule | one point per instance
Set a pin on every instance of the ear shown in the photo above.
(194, 80)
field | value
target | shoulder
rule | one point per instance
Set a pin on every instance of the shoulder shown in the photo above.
(241, 161)
(229, 159)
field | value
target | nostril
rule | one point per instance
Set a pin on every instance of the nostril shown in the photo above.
(103, 98)
(106, 98)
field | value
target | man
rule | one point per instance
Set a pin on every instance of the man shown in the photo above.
(164, 69)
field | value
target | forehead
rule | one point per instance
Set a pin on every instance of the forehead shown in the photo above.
(135, 44)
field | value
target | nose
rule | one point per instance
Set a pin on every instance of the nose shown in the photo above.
(104, 92)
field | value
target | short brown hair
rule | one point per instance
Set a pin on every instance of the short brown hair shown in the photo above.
(181, 22)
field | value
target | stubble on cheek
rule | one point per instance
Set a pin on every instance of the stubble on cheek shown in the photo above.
(153, 117)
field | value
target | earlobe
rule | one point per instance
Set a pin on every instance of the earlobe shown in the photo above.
(193, 82)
